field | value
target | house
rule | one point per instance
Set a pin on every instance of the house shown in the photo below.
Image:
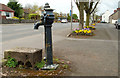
(105, 16)
(40, 11)
(113, 17)
(6, 12)
(26, 13)
(31, 14)
(119, 4)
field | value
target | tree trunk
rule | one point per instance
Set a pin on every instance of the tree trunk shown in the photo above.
(81, 15)
(87, 19)
(79, 20)
(93, 18)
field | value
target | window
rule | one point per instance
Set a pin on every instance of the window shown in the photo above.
(119, 20)
(7, 14)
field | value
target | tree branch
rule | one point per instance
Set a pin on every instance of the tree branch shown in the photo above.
(91, 4)
(94, 7)
(86, 7)
(78, 5)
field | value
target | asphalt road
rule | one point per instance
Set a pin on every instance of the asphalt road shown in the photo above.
(16, 31)
(93, 56)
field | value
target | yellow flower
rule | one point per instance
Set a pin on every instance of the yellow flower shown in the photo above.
(93, 24)
(76, 31)
(80, 31)
(93, 27)
(89, 31)
(85, 31)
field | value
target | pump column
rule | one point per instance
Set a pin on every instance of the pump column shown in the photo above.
(48, 44)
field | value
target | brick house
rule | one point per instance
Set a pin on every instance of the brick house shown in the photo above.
(113, 18)
(6, 12)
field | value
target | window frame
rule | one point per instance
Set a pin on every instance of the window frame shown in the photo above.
(7, 14)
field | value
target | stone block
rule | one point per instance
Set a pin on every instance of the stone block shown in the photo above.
(26, 56)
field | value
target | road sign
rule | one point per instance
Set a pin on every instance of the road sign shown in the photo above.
(70, 12)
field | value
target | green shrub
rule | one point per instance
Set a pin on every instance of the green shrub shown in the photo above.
(41, 64)
(11, 62)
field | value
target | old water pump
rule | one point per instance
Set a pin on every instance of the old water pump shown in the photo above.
(47, 20)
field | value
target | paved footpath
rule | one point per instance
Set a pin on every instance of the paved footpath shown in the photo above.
(95, 56)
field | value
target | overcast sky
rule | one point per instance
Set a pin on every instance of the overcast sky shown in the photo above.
(64, 6)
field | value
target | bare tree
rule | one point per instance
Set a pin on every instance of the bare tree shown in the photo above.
(35, 8)
(89, 10)
(94, 15)
(28, 6)
(80, 6)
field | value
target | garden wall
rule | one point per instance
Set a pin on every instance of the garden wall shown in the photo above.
(14, 21)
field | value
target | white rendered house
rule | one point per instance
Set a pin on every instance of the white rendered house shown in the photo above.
(105, 16)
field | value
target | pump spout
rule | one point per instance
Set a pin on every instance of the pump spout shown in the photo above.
(36, 25)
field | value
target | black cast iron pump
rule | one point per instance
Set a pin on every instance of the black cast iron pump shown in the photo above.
(47, 20)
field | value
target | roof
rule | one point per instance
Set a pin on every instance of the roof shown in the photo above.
(3, 7)
(26, 10)
(118, 9)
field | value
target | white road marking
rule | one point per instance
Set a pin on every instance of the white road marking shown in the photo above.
(92, 40)
(22, 29)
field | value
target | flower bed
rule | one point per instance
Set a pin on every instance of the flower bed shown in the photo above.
(85, 31)
(92, 27)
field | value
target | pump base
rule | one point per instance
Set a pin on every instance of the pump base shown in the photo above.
(50, 67)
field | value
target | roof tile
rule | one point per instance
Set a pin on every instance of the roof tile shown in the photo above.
(5, 8)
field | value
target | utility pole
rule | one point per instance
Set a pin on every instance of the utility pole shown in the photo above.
(71, 14)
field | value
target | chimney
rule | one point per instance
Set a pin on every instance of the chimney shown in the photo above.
(118, 9)
(115, 11)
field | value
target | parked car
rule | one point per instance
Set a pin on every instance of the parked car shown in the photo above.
(64, 21)
(117, 24)
(103, 22)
